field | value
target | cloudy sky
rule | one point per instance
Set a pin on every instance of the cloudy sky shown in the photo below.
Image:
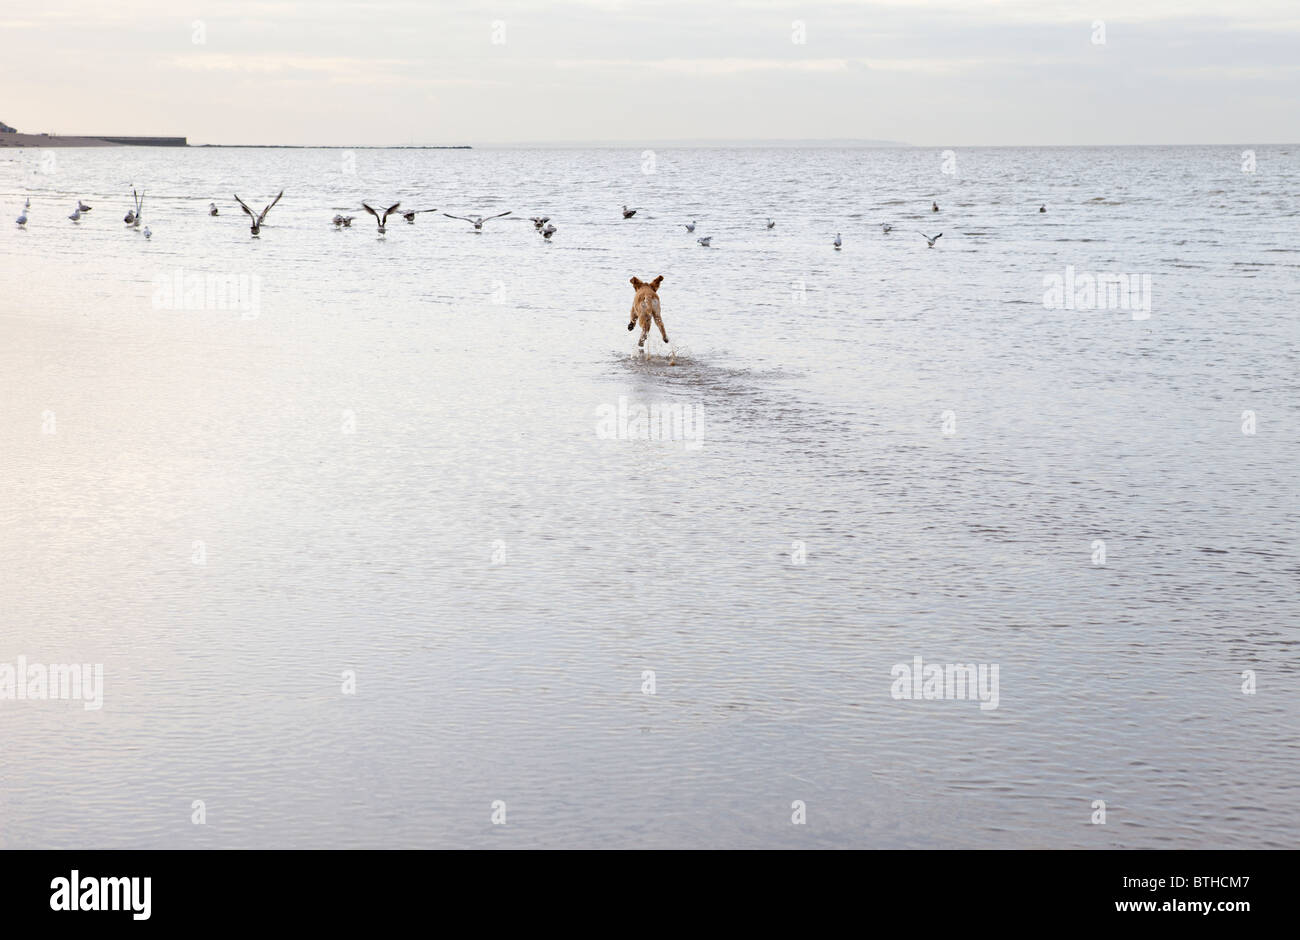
(925, 72)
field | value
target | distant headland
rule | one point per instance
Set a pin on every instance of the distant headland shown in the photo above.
(10, 137)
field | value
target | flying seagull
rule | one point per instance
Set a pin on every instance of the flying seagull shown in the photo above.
(837, 243)
(929, 239)
(690, 226)
(212, 209)
(771, 224)
(539, 221)
(548, 231)
(477, 220)
(133, 215)
(410, 216)
(705, 240)
(382, 220)
(256, 227)
(628, 213)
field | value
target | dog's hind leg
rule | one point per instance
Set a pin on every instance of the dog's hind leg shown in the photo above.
(660, 323)
(645, 331)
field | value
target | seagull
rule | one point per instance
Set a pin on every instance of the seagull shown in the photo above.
(929, 239)
(477, 220)
(628, 213)
(212, 208)
(381, 220)
(256, 227)
(147, 233)
(690, 226)
(82, 207)
(539, 221)
(705, 240)
(76, 215)
(886, 227)
(22, 218)
(28, 203)
(133, 214)
(837, 241)
(347, 221)
(410, 216)
(548, 231)
(934, 207)
(771, 224)
(1042, 208)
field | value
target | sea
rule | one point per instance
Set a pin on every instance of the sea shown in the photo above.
(330, 539)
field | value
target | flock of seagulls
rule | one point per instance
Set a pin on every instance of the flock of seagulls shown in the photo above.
(541, 224)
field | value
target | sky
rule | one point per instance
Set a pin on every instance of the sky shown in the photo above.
(922, 72)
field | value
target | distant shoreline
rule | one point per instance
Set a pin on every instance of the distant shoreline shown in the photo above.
(335, 147)
(42, 141)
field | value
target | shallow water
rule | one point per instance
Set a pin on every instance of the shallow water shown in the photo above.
(395, 464)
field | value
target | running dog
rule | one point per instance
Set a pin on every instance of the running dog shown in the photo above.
(645, 306)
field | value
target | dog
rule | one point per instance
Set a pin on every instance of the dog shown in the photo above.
(645, 306)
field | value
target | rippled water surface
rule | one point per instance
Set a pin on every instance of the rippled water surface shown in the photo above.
(394, 463)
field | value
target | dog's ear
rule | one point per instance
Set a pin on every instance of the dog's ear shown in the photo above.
(657, 281)
(636, 282)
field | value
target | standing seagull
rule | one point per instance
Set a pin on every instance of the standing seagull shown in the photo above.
(410, 216)
(837, 243)
(1042, 208)
(929, 239)
(382, 220)
(82, 207)
(22, 218)
(212, 209)
(147, 233)
(690, 226)
(477, 220)
(934, 207)
(705, 240)
(770, 224)
(886, 227)
(628, 213)
(76, 215)
(256, 227)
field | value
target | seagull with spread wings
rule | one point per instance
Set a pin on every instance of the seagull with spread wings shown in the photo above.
(411, 214)
(477, 220)
(382, 220)
(134, 215)
(258, 218)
